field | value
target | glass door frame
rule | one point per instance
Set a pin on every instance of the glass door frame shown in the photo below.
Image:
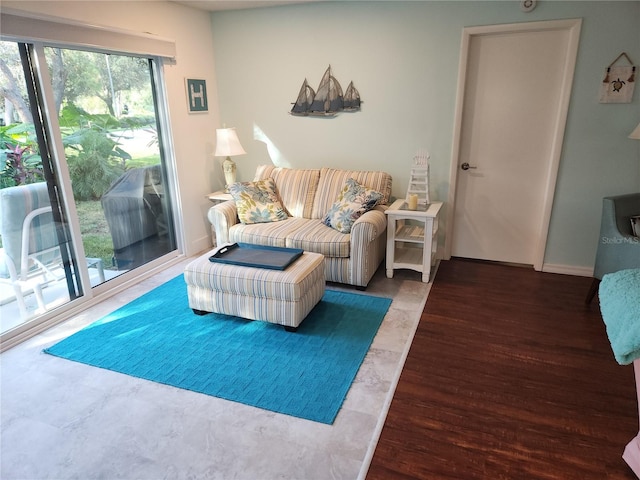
(91, 295)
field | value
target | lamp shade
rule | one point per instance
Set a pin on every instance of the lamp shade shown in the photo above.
(636, 133)
(227, 143)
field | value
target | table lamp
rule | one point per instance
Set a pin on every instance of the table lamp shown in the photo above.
(228, 145)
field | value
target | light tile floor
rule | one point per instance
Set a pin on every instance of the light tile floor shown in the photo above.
(65, 420)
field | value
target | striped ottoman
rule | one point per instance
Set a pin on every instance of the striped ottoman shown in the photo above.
(284, 297)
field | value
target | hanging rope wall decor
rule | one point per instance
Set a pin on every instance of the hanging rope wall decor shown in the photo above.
(619, 81)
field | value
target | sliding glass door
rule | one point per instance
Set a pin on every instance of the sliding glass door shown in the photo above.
(84, 185)
(109, 129)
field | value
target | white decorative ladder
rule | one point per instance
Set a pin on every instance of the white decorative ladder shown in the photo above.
(419, 178)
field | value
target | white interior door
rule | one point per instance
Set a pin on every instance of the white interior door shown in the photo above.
(511, 124)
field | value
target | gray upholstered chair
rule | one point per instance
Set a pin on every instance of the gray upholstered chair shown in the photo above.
(618, 248)
(134, 210)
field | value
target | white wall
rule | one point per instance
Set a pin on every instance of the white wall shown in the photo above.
(193, 134)
(403, 57)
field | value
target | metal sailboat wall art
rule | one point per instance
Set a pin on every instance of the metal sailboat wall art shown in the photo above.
(305, 97)
(351, 98)
(328, 100)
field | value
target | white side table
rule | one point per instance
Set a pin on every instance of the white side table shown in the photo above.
(219, 197)
(409, 245)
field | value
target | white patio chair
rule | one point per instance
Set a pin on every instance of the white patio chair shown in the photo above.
(30, 257)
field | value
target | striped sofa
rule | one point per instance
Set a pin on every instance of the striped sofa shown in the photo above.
(308, 194)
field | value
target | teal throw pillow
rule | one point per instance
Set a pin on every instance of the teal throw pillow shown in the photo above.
(258, 202)
(353, 200)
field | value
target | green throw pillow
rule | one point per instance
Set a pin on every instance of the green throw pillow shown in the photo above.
(258, 202)
(353, 200)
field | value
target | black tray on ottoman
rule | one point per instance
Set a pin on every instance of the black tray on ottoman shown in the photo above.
(259, 256)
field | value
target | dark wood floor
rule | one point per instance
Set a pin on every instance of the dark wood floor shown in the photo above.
(510, 376)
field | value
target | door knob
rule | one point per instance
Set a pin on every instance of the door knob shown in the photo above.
(466, 166)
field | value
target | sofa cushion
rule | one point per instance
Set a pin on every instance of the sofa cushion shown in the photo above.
(270, 234)
(332, 181)
(258, 202)
(296, 187)
(317, 237)
(353, 201)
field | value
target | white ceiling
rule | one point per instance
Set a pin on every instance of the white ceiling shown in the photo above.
(217, 5)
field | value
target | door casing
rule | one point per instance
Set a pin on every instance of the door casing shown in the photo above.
(573, 27)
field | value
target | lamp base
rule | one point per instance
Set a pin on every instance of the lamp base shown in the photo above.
(229, 168)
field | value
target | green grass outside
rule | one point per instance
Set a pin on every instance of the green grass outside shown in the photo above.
(95, 231)
(143, 161)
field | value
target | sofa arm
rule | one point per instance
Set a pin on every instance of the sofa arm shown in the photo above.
(223, 216)
(367, 249)
(368, 227)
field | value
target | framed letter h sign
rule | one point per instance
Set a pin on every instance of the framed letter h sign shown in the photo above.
(197, 95)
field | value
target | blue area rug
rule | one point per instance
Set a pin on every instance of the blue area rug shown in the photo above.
(306, 374)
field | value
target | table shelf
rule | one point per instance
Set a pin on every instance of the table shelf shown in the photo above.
(412, 238)
(410, 233)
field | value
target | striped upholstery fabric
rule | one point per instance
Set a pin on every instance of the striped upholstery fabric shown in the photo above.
(297, 188)
(332, 181)
(337, 269)
(131, 206)
(284, 297)
(317, 237)
(374, 225)
(272, 234)
(365, 262)
(307, 195)
(222, 217)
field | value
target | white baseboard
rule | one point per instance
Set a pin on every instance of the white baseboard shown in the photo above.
(568, 270)
(202, 244)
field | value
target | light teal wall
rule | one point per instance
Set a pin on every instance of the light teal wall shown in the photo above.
(403, 58)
